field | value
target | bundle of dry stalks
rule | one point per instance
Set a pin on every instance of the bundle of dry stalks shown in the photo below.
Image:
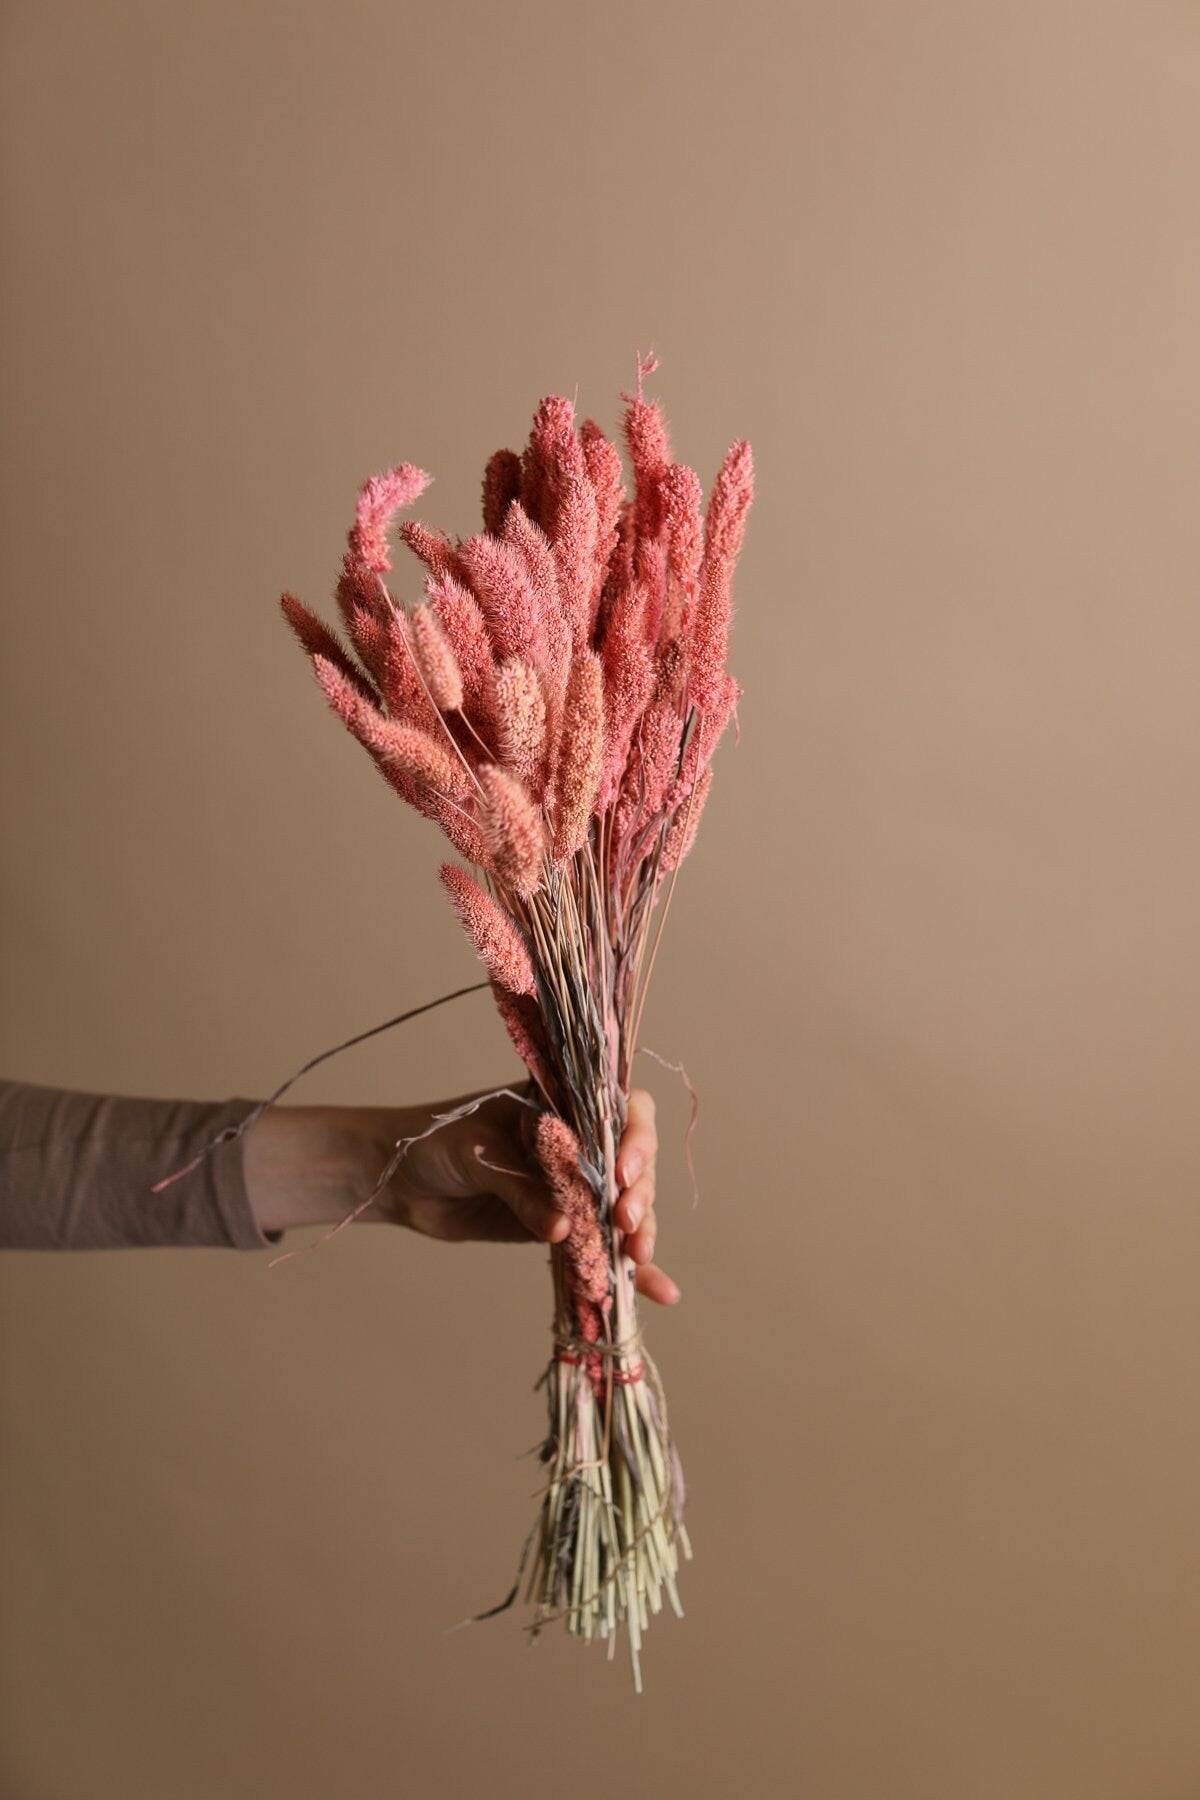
(554, 702)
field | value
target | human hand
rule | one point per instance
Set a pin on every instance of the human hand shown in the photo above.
(479, 1179)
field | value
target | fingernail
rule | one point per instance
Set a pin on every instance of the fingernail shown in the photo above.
(676, 1293)
(633, 1165)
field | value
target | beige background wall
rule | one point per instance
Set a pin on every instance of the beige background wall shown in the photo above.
(936, 1374)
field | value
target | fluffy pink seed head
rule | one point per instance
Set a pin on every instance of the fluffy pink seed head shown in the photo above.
(559, 496)
(518, 713)
(360, 589)
(681, 833)
(724, 529)
(649, 445)
(424, 758)
(620, 563)
(553, 425)
(656, 762)
(628, 683)
(602, 460)
(368, 634)
(580, 755)
(558, 1153)
(512, 829)
(574, 537)
(670, 674)
(507, 599)
(650, 563)
(463, 622)
(584, 1248)
(436, 659)
(494, 933)
(523, 1023)
(684, 526)
(729, 502)
(366, 723)
(431, 547)
(379, 500)
(345, 697)
(710, 725)
(464, 832)
(386, 647)
(531, 544)
(316, 638)
(501, 486)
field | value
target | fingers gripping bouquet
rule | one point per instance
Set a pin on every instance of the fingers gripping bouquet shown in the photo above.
(554, 702)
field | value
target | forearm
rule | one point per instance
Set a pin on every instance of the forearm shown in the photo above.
(310, 1165)
(77, 1171)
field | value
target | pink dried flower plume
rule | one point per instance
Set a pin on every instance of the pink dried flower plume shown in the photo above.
(493, 932)
(553, 700)
(379, 500)
(512, 829)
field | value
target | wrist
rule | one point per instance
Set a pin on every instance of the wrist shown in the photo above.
(307, 1165)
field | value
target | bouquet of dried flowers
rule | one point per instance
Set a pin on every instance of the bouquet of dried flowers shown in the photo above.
(554, 702)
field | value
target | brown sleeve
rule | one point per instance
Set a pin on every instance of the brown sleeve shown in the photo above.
(76, 1170)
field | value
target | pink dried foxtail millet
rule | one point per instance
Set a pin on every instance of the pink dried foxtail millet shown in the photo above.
(567, 509)
(436, 659)
(501, 486)
(433, 548)
(523, 1023)
(649, 445)
(360, 590)
(684, 526)
(707, 731)
(493, 931)
(553, 423)
(584, 1247)
(377, 629)
(463, 623)
(464, 832)
(531, 544)
(724, 529)
(346, 698)
(421, 760)
(425, 758)
(681, 833)
(628, 684)
(379, 500)
(385, 645)
(518, 712)
(652, 766)
(580, 755)
(316, 637)
(620, 563)
(602, 460)
(369, 635)
(366, 723)
(650, 561)
(574, 541)
(512, 829)
(500, 580)
(579, 574)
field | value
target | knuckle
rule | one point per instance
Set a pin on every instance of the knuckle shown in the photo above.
(643, 1191)
(640, 1111)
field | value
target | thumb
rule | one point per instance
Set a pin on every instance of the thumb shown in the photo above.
(524, 1191)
